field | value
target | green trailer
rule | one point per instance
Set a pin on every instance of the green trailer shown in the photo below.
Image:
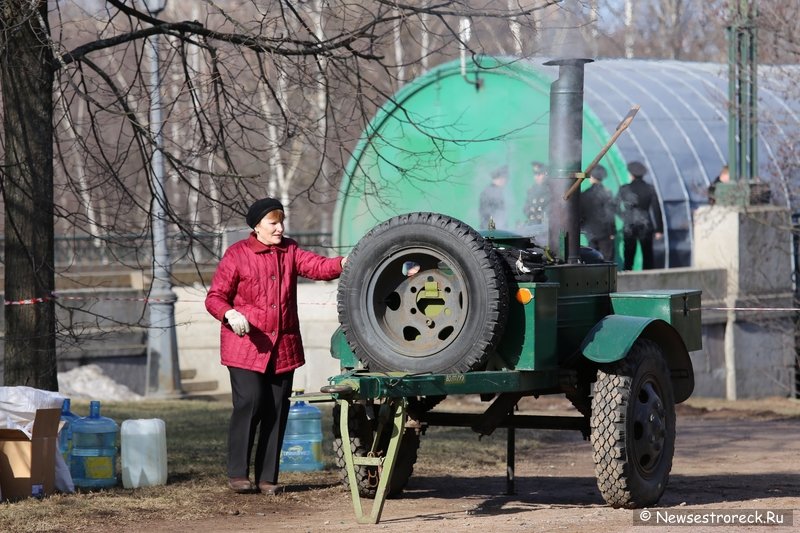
(430, 307)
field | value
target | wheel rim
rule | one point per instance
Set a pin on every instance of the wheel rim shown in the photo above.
(418, 301)
(649, 428)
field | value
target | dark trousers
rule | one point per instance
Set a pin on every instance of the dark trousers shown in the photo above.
(629, 243)
(260, 402)
(605, 246)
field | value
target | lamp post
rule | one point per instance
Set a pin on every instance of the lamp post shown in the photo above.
(163, 372)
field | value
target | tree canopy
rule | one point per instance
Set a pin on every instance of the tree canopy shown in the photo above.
(258, 97)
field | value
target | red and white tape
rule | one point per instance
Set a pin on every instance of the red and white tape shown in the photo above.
(54, 296)
(29, 301)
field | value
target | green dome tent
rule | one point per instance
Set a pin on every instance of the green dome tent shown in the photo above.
(436, 144)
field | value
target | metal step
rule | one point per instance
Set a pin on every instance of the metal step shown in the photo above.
(191, 387)
(210, 397)
(188, 373)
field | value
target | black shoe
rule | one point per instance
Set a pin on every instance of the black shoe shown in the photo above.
(241, 485)
(270, 489)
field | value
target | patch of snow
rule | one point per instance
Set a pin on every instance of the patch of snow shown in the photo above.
(88, 382)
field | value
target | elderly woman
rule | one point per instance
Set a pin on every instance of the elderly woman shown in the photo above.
(254, 295)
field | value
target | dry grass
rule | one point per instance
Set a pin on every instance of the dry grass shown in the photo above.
(196, 487)
(196, 446)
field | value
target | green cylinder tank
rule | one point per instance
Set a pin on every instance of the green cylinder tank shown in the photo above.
(435, 145)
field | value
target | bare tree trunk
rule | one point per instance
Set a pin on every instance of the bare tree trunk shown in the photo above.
(281, 171)
(80, 169)
(189, 141)
(26, 65)
(216, 211)
(669, 16)
(277, 175)
(326, 170)
(425, 40)
(515, 28)
(464, 33)
(629, 41)
(398, 49)
(594, 33)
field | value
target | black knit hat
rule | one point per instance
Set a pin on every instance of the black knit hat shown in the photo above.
(599, 173)
(637, 169)
(259, 210)
(500, 172)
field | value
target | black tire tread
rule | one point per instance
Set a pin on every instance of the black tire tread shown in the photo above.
(614, 472)
(490, 264)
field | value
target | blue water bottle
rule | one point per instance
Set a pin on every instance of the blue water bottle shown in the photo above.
(302, 442)
(65, 435)
(93, 460)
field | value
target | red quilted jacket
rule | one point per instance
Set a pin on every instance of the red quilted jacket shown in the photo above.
(260, 281)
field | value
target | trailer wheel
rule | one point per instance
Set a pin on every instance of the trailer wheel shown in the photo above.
(423, 292)
(362, 433)
(633, 427)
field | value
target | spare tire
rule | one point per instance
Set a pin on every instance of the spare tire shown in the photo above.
(423, 292)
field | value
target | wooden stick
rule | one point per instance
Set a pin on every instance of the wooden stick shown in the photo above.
(620, 128)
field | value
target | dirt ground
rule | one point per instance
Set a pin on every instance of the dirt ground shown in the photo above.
(729, 456)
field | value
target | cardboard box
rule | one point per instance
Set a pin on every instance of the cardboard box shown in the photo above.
(27, 465)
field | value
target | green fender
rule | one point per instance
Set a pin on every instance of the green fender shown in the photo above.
(612, 338)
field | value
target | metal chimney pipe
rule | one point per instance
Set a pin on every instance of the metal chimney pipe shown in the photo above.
(566, 148)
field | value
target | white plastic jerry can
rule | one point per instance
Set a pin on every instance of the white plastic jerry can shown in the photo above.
(144, 453)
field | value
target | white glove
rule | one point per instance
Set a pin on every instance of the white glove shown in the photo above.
(237, 321)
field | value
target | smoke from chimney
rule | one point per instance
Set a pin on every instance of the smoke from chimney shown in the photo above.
(561, 34)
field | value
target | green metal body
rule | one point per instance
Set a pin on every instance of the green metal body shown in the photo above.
(678, 308)
(528, 343)
(392, 418)
(574, 320)
(369, 385)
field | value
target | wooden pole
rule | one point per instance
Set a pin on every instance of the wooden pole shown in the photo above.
(620, 128)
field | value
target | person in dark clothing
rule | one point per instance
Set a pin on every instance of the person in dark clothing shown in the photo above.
(597, 214)
(537, 200)
(537, 197)
(641, 216)
(492, 200)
